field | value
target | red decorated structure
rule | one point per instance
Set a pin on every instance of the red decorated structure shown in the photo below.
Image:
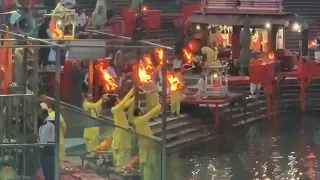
(261, 14)
(267, 22)
(127, 24)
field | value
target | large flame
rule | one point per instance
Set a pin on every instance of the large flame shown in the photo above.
(160, 54)
(188, 56)
(148, 63)
(175, 82)
(108, 82)
(144, 76)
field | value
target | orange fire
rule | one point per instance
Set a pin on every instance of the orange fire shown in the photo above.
(148, 62)
(312, 44)
(144, 8)
(160, 54)
(109, 82)
(175, 82)
(188, 55)
(144, 76)
(271, 56)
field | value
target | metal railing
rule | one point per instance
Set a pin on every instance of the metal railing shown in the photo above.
(58, 47)
(23, 158)
(65, 107)
(18, 134)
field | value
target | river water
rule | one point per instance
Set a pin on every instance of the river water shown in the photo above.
(277, 150)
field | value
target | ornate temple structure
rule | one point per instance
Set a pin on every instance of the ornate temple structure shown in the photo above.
(267, 23)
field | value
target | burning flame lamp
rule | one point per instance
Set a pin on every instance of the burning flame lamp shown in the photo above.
(188, 55)
(160, 55)
(270, 57)
(144, 76)
(108, 81)
(313, 44)
(144, 8)
(219, 80)
(175, 82)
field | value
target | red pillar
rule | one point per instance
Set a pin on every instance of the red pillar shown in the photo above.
(236, 46)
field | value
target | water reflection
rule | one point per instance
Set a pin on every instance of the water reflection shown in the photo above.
(282, 150)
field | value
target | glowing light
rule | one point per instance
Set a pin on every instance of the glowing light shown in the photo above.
(271, 56)
(144, 76)
(175, 82)
(108, 82)
(296, 27)
(313, 44)
(198, 27)
(215, 75)
(188, 56)
(144, 8)
(267, 25)
(160, 54)
(59, 22)
(148, 63)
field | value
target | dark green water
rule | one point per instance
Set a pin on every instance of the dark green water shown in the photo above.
(284, 149)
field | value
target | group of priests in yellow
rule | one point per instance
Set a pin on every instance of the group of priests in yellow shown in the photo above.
(124, 113)
(121, 143)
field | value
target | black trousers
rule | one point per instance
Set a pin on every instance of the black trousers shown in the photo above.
(47, 162)
(44, 56)
(109, 14)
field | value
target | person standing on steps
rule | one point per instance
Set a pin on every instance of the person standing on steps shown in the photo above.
(46, 135)
(147, 148)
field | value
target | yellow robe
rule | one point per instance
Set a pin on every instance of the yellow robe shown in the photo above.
(175, 102)
(91, 135)
(212, 55)
(121, 143)
(152, 100)
(63, 129)
(147, 147)
(93, 108)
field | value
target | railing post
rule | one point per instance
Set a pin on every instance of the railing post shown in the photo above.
(164, 121)
(57, 115)
(35, 87)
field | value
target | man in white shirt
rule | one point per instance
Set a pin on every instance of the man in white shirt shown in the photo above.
(99, 15)
(202, 84)
(46, 135)
(81, 20)
(14, 18)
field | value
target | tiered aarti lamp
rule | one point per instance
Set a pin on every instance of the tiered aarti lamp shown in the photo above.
(218, 78)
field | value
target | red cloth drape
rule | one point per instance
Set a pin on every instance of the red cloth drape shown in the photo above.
(6, 65)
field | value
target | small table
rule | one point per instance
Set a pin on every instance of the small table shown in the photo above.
(195, 99)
